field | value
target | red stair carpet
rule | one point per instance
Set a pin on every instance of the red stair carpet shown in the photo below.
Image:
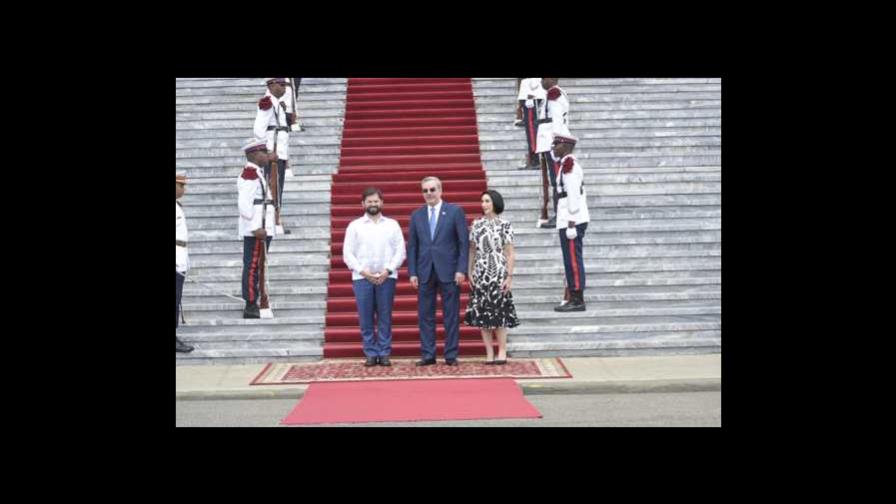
(411, 400)
(396, 132)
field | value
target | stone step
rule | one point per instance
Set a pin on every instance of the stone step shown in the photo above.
(576, 89)
(589, 136)
(518, 145)
(224, 222)
(247, 123)
(684, 344)
(296, 141)
(250, 115)
(222, 171)
(331, 133)
(206, 82)
(599, 81)
(233, 154)
(252, 92)
(224, 344)
(576, 107)
(316, 211)
(595, 250)
(547, 238)
(295, 352)
(214, 235)
(623, 124)
(309, 101)
(198, 249)
(601, 179)
(311, 296)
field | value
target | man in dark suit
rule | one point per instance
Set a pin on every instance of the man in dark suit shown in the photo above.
(438, 242)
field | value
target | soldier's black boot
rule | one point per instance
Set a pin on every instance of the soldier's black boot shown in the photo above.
(576, 303)
(565, 299)
(251, 311)
(181, 346)
(550, 224)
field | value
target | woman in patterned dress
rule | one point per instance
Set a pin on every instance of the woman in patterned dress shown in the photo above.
(491, 274)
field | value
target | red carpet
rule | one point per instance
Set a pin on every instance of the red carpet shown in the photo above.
(413, 400)
(396, 132)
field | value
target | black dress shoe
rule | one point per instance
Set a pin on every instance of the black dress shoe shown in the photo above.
(551, 223)
(251, 311)
(451, 362)
(499, 362)
(489, 363)
(384, 361)
(180, 346)
(426, 362)
(371, 361)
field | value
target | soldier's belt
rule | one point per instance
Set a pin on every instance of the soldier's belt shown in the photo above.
(180, 243)
(543, 121)
(262, 202)
(278, 128)
(563, 194)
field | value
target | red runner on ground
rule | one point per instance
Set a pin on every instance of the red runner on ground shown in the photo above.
(414, 400)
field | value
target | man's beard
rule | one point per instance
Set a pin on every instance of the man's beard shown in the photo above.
(373, 210)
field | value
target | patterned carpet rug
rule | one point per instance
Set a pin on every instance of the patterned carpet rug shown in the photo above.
(339, 370)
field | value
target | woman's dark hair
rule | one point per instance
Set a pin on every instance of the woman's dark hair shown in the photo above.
(370, 191)
(497, 200)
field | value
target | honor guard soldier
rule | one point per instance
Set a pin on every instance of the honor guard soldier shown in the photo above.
(572, 221)
(272, 124)
(555, 121)
(257, 225)
(181, 259)
(531, 104)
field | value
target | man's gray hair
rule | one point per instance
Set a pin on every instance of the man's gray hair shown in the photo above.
(430, 179)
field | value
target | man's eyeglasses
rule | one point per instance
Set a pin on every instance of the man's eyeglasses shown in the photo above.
(430, 190)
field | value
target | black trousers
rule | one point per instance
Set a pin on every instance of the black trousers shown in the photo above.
(179, 281)
(252, 251)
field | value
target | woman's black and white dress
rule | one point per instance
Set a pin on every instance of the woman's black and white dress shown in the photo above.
(488, 307)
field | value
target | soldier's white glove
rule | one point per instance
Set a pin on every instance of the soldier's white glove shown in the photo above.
(530, 103)
(571, 233)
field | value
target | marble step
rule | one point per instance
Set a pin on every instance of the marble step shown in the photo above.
(233, 153)
(197, 250)
(614, 110)
(578, 89)
(307, 233)
(296, 141)
(578, 124)
(296, 352)
(518, 145)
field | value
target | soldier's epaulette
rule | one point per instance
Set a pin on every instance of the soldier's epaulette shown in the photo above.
(249, 173)
(265, 103)
(553, 93)
(568, 162)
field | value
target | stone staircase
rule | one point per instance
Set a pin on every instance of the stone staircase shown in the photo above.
(214, 119)
(651, 150)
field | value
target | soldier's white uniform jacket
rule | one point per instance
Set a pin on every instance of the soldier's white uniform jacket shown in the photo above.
(181, 258)
(272, 113)
(555, 120)
(254, 190)
(571, 180)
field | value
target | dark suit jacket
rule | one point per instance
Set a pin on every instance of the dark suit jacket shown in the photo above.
(448, 251)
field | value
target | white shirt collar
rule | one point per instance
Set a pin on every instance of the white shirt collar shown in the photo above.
(367, 218)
